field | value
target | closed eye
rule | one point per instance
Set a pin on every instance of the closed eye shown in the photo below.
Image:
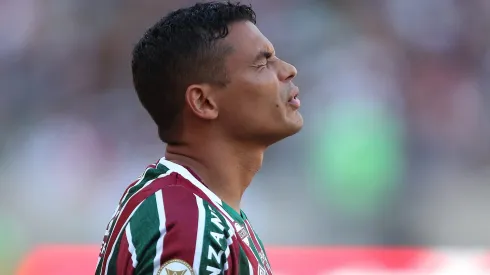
(263, 57)
(266, 62)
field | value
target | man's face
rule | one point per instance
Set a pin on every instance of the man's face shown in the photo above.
(260, 103)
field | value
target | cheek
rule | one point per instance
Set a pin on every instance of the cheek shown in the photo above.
(267, 100)
(257, 95)
(267, 88)
(259, 108)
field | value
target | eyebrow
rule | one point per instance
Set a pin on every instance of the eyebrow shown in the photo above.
(264, 54)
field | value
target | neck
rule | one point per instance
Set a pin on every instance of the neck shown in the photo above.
(226, 169)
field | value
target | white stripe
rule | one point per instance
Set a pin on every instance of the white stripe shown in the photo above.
(227, 253)
(107, 233)
(250, 268)
(114, 245)
(163, 231)
(106, 264)
(98, 261)
(223, 211)
(251, 232)
(188, 176)
(113, 218)
(131, 248)
(200, 234)
(259, 248)
(253, 243)
(229, 242)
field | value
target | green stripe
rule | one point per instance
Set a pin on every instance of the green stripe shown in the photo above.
(145, 232)
(259, 241)
(244, 268)
(254, 249)
(212, 243)
(149, 174)
(206, 240)
(250, 239)
(234, 215)
(242, 214)
(112, 268)
(262, 246)
(99, 266)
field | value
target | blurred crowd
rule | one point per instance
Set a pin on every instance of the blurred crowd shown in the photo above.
(395, 96)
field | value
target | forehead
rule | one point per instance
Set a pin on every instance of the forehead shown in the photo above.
(246, 41)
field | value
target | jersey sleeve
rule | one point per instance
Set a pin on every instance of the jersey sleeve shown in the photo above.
(173, 231)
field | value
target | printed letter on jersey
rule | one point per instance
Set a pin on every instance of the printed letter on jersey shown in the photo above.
(175, 267)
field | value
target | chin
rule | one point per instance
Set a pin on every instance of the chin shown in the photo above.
(291, 127)
(295, 127)
(296, 123)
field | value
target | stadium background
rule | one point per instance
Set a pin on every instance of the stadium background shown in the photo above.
(395, 151)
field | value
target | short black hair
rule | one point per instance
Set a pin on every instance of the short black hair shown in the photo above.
(181, 49)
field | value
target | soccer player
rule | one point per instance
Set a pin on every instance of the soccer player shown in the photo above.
(220, 96)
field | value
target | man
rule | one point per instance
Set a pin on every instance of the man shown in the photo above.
(220, 96)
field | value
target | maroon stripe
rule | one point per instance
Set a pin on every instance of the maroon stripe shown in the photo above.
(251, 256)
(132, 203)
(182, 217)
(257, 245)
(237, 242)
(127, 190)
(124, 263)
(252, 236)
(189, 185)
(233, 262)
(233, 258)
(125, 193)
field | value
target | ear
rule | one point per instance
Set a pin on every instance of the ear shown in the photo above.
(200, 100)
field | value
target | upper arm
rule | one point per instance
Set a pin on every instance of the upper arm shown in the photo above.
(175, 225)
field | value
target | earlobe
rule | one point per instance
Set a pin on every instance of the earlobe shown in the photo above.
(200, 100)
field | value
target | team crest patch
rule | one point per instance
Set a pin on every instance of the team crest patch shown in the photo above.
(175, 267)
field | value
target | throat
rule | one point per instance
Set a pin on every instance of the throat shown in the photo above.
(227, 172)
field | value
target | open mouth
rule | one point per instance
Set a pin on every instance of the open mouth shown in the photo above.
(294, 101)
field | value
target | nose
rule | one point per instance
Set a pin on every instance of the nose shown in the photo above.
(287, 72)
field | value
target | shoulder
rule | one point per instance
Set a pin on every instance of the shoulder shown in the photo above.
(179, 225)
(161, 217)
(170, 203)
(174, 191)
(177, 208)
(154, 179)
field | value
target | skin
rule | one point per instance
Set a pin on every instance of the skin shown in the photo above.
(227, 129)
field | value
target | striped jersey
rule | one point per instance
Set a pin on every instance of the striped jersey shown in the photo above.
(169, 223)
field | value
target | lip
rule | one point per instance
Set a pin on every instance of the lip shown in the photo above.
(294, 101)
(294, 93)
